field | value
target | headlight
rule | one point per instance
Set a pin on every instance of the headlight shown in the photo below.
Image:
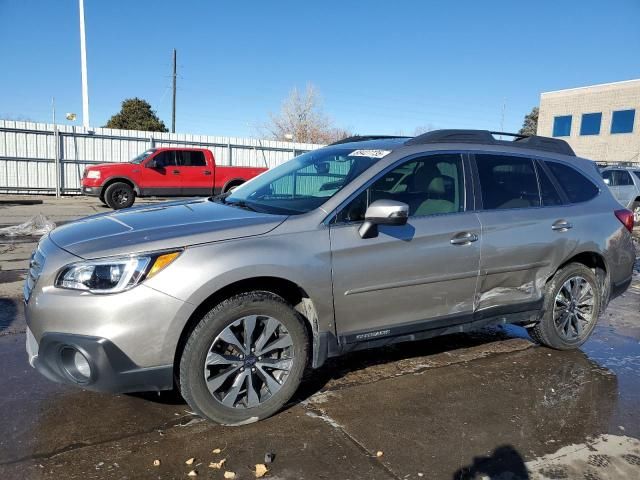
(93, 174)
(113, 275)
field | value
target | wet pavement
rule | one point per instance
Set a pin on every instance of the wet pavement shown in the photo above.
(483, 405)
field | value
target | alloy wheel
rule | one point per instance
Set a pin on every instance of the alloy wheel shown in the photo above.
(573, 308)
(249, 361)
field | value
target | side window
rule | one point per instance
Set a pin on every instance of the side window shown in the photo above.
(507, 182)
(608, 175)
(548, 192)
(430, 185)
(188, 158)
(621, 178)
(165, 159)
(577, 187)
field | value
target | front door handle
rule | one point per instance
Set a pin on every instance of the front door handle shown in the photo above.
(464, 238)
(561, 226)
(207, 172)
(176, 172)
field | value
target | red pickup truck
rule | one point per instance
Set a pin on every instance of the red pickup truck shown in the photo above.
(162, 172)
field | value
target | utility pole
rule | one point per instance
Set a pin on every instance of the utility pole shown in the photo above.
(83, 68)
(173, 110)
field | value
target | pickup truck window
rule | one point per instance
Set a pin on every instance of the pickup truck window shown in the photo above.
(187, 158)
(304, 183)
(165, 159)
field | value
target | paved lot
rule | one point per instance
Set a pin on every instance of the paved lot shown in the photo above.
(484, 405)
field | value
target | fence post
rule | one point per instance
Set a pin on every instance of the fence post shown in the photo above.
(229, 158)
(56, 159)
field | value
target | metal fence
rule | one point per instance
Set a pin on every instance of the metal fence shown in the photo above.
(42, 157)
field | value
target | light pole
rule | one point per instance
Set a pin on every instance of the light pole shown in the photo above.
(83, 68)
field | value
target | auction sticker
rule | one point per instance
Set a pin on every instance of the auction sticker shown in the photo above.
(369, 153)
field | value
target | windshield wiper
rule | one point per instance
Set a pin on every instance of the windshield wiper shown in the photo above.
(239, 203)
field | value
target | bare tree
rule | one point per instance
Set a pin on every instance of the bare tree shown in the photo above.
(301, 119)
(423, 129)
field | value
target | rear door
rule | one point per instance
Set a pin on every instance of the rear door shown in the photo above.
(160, 175)
(524, 229)
(196, 176)
(414, 277)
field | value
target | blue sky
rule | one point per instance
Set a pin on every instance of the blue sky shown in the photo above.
(381, 66)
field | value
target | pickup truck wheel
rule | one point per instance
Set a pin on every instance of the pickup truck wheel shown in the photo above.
(119, 195)
(572, 306)
(244, 360)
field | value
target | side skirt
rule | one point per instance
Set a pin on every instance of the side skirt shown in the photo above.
(330, 346)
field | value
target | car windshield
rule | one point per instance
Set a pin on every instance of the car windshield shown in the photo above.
(305, 182)
(140, 158)
(637, 173)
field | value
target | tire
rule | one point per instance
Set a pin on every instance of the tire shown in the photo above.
(205, 386)
(102, 200)
(231, 186)
(119, 195)
(572, 296)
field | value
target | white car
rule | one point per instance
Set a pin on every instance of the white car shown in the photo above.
(624, 183)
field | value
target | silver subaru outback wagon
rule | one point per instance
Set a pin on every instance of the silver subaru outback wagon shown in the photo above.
(364, 243)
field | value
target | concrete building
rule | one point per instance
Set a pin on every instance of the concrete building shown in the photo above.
(600, 122)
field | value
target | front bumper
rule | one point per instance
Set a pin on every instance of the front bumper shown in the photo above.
(111, 370)
(92, 191)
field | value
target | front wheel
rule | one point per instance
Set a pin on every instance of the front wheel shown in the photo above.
(572, 306)
(244, 360)
(119, 195)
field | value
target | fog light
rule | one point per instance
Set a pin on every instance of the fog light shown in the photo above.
(75, 364)
(82, 365)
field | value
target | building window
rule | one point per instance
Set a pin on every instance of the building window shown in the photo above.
(622, 121)
(562, 126)
(590, 124)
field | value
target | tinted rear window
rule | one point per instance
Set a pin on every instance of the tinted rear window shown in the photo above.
(507, 182)
(577, 187)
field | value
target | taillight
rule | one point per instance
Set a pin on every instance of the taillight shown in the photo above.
(626, 217)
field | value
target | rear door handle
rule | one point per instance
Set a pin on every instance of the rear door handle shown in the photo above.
(561, 226)
(464, 238)
(207, 172)
(176, 172)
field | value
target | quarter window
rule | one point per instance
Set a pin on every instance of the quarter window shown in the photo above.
(622, 121)
(507, 182)
(430, 185)
(590, 124)
(562, 126)
(577, 187)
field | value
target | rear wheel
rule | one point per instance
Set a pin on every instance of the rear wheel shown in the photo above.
(119, 195)
(244, 360)
(572, 306)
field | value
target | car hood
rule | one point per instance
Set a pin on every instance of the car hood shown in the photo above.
(160, 226)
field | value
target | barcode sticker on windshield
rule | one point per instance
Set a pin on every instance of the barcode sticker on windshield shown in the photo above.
(369, 153)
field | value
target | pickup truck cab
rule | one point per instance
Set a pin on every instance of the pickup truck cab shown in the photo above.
(179, 172)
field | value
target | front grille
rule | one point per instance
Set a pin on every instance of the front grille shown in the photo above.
(35, 269)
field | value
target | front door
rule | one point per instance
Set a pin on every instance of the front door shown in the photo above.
(160, 175)
(414, 277)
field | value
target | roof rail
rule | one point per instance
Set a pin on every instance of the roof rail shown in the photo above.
(486, 137)
(361, 138)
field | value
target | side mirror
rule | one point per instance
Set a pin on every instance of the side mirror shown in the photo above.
(151, 164)
(383, 212)
(607, 181)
